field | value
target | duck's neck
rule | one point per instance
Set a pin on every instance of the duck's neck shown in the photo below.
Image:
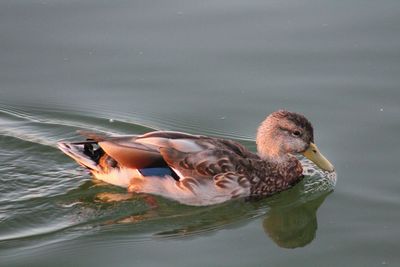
(288, 167)
(279, 159)
(270, 143)
(275, 174)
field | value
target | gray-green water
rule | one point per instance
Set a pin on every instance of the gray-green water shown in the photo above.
(209, 67)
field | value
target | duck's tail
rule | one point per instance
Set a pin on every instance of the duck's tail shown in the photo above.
(89, 155)
(83, 153)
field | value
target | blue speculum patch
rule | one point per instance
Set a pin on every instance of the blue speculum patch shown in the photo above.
(160, 172)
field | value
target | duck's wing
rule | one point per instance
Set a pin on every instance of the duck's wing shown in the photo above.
(202, 158)
(189, 155)
(140, 151)
(131, 154)
(193, 143)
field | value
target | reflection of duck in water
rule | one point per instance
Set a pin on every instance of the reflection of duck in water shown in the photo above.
(200, 170)
(294, 225)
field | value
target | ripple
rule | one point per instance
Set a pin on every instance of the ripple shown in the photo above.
(47, 126)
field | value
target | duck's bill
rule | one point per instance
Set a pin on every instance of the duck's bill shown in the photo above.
(313, 154)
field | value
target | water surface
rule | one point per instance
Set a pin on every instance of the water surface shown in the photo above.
(208, 67)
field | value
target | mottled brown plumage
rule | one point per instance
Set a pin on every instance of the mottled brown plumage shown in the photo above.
(230, 163)
(206, 170)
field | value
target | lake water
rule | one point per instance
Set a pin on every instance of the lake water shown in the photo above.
(208, 67)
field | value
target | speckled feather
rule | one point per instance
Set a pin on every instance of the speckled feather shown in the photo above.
(227, 162)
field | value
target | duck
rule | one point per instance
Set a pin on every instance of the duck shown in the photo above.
(200, 170)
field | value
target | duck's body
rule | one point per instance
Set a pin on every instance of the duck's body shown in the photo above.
(192, 169)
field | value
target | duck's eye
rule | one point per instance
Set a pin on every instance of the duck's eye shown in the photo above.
(296, 133)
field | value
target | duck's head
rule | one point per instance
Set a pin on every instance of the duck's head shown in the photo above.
(283, 133)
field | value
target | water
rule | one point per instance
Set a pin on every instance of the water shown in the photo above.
(208, 67)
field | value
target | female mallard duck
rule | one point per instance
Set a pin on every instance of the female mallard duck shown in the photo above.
(199, 170)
